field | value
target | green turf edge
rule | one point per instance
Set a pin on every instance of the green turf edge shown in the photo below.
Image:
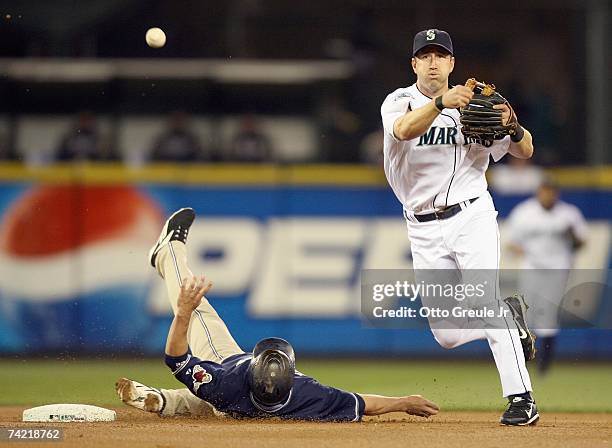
(455, 385)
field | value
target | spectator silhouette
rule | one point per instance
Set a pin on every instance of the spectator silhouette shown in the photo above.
(178, 143)
(339, 131)
(371, 148)
(7, 151)
(82, 142)
(250, 144)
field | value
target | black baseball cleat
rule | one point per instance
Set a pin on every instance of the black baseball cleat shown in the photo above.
(520, 412)
(175, 229)
(518, 308)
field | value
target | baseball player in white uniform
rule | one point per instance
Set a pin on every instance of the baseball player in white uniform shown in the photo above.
(439, 178)
(546, 232)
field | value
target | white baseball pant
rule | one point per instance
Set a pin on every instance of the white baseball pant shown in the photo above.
(208, 336)
(470, 241)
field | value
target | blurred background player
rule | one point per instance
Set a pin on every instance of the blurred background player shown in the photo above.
(203, 355)
(546, 232)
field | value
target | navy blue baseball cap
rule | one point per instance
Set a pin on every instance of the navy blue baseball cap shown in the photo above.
(435, 37)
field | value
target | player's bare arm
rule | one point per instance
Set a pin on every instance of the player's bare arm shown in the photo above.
(523, 149)
(411, 404)
(190, 297)
(432, 67)
(415, 123)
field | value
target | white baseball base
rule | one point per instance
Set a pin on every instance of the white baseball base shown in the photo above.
(68, 413)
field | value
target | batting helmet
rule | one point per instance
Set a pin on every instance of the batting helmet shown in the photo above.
(271, 372)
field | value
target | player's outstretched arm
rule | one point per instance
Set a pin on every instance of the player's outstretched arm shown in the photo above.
(192, 291)
(415, 123)
(412, 404)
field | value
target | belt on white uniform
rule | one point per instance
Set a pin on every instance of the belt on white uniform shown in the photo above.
(445, 213)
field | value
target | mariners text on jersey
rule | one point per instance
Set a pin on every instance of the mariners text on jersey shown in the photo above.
(439, 168)
(226, 387)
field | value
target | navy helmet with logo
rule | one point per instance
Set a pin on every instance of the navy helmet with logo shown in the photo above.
(433, 37)
(271, 373)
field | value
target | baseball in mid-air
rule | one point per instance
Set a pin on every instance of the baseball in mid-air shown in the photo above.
(155, 37)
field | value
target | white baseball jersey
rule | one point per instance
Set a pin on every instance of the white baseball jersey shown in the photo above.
(439, 168)
(436, 170)
(544, 234)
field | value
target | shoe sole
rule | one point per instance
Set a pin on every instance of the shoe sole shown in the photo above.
(532, 421)
(164, 233)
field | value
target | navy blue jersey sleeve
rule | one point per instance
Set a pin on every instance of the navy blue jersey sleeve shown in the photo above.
(312, 400)
(344, 406)
(200, 377)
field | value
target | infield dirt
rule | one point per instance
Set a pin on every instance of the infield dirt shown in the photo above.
(449, 429)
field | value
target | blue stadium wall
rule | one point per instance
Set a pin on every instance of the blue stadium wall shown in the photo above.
(74, 278)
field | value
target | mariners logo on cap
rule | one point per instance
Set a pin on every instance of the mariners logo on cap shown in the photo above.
(432, 36)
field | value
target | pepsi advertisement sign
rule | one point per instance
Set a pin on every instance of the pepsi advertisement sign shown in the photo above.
(285, 261)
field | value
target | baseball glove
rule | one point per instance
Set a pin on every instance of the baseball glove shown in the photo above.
(480, 120)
